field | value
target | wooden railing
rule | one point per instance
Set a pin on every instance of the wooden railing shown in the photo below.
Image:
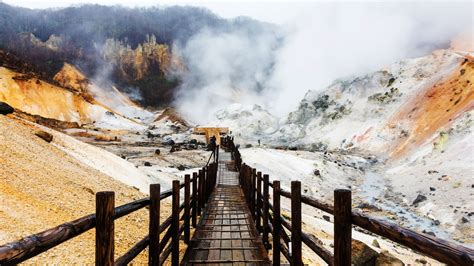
(197, 190)
(287, 234)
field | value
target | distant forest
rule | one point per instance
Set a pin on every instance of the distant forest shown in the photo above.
(83, 28)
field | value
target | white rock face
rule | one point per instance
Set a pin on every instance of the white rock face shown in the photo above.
(356, 112)
(248, 122)
(397, 133)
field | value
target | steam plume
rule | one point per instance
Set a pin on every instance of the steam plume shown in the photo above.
(324, 42)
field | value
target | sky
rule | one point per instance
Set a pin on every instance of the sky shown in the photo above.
(278, 12)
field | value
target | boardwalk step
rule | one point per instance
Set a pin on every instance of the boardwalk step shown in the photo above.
(223, 261)
(224, 248)
(226, 233)
(225, 238)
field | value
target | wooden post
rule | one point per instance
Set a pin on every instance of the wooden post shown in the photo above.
(187, 180)
(104, 230)
(254, 190)
(246, 188)
(296, 255)
(209, 181)
(342, 227)
(195, 199)
(265, 211)
(200, 197)
(241, 176)
(259, 202)
(214, 179)
(215, 175)
(154, 225)
(205, 175)
(276, 223)
(204, 182)
(212, 176)
(175, 224)
(249, 187)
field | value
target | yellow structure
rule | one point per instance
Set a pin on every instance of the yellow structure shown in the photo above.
(212, 131)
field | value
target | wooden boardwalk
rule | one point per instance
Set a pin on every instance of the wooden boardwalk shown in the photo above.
(226, 233)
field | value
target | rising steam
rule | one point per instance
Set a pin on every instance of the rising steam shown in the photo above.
(325, 41)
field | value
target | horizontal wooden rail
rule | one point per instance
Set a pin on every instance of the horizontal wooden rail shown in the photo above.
(167, 251)
(133, 252)
(30, 246)
(285, 251)
(142, 244)
(438, 249)
(312, 243)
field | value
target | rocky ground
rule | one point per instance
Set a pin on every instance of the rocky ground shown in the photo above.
(42, 186)
(322, 172)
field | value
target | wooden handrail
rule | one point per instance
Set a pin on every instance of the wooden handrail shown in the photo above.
(30, 246)
(447, 252)
(437, 248)
(431, 246)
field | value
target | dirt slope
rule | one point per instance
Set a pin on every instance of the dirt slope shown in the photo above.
(42, 186)
(71, 104)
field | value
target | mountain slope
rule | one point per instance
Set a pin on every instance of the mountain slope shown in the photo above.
(130, 47)
(390, 112)
(45, 184)
(78, 102)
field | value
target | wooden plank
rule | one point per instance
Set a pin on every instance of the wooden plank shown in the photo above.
(225, 261)
(219, 248)
(227, 226)
(215, 252)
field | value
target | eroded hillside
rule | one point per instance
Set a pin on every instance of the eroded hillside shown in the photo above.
(44, 184)
(434, 109)
(78, 101)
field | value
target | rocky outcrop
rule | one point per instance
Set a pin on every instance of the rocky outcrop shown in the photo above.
(392, 112)
(71, 78)
(134, 64)
(48, 122)
(362, 254)
(6, 109)
(45, 136)
(53, 43)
